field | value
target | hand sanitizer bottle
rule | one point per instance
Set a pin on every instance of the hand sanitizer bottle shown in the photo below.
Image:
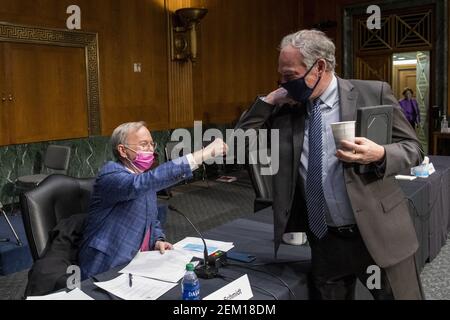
(444, 124)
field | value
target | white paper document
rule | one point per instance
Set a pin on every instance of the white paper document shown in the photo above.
(239, 289)
(169, 266)
(404, 177)
(141, 288)
(75, 294)
(196, 246)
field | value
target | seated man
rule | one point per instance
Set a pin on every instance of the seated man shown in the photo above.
(122, 215)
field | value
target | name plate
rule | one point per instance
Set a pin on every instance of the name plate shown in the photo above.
(239, 289)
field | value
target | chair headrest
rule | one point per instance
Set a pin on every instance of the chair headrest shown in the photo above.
(57, 157)
(56, 198)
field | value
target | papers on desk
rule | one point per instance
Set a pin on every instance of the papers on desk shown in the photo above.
(75, 294)
(141, 288)
(195, 246)
(169, 266)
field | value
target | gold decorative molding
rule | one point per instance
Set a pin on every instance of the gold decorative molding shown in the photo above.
(66, 38)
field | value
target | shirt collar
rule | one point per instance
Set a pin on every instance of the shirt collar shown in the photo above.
(329, 96)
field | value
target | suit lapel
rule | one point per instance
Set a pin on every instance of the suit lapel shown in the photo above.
(298, 128)
(347, 100)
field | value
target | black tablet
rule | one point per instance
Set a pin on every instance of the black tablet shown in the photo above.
(374, 123)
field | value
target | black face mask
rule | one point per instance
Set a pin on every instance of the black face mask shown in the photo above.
(298, 89)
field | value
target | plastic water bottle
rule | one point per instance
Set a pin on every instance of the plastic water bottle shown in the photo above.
(190, 286)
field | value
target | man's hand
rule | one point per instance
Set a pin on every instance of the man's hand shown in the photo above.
(215, 149)
(162, 246)
(363, 151)
(278, 97)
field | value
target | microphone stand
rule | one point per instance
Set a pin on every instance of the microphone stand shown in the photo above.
(204, 271)
(19, 243)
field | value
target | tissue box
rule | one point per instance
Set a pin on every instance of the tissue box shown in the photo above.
(423, 171)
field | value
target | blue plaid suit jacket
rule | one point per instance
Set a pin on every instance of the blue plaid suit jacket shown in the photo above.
(122, 208)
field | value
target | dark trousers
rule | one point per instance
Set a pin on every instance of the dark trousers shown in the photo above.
(337, 261)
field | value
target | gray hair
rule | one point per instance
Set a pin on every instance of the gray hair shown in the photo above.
(313, 45)
(120, 135)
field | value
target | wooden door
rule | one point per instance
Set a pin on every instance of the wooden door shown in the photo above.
(374, 67)
(49, 91)
(403, 76)
(4, 104)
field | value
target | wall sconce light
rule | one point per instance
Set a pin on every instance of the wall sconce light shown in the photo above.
(184, 34)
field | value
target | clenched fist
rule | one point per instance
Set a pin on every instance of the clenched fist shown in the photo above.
(215, 149)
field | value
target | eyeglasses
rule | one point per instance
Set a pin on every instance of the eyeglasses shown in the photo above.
(144, 146)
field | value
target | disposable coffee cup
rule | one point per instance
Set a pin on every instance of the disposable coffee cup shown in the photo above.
(343, 131)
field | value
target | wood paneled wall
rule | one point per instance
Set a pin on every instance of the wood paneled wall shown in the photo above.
(237, 60)
(239, 54)
(318, 11)
(130, 31)
(180, 85)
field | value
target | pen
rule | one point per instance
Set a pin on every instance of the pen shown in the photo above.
(130, 278)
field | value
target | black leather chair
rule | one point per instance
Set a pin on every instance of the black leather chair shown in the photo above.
(56, 198)
(264, 197)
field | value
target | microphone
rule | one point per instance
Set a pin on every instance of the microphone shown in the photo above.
(19, 243)
(204, 271)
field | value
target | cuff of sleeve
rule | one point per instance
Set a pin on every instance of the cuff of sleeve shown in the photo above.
(380, 167)
(192, 164)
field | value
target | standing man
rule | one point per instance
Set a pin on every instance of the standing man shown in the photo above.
(352, 221)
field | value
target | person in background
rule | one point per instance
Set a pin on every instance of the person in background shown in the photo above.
(410, 107)
(122, 214)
